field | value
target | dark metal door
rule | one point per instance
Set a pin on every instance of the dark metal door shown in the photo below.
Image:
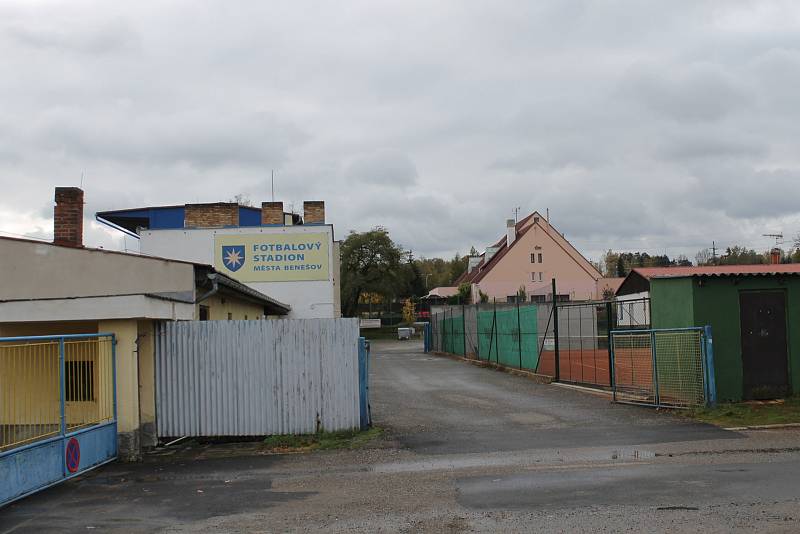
(764, 358)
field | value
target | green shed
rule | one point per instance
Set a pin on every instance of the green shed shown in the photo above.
(754, 312)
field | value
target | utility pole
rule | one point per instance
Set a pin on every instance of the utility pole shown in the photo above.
(714, 252)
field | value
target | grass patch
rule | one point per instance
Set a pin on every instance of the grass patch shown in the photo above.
(751, 413)
(345, 439)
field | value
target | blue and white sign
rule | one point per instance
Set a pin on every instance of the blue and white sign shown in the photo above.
(233, 257)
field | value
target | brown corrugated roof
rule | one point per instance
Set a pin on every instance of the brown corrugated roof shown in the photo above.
(719, 270)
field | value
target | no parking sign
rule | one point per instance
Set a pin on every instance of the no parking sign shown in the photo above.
(73, 455)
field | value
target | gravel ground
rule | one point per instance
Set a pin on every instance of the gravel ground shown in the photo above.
(465, 450)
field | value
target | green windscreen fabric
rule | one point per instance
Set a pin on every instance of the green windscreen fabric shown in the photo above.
(452, 332)
(504, 333)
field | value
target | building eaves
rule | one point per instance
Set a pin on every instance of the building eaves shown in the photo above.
(104, 251)
(791, 269)
(250, 293)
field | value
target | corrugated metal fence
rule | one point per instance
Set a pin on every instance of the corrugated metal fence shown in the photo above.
(251, 378)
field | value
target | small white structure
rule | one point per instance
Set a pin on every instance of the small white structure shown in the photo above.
(405, 333)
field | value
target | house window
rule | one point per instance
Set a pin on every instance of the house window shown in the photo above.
(538, 298)
(230, 316)
(204, 313)
(540, 276)
(79, 381)
(245, 317)
(540, 257)
(511, 299)
(533, 257)
(533, 277)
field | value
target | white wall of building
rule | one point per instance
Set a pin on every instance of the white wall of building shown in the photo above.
(308, 299)
(633, 310)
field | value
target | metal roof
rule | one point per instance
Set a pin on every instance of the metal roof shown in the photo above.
(790, 269)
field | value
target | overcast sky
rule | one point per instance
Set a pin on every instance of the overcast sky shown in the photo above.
(642, 125)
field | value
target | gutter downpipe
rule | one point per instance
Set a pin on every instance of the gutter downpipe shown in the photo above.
(211, 293)
(115, 226)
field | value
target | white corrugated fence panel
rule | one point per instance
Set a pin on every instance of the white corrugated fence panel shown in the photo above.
(252, 378)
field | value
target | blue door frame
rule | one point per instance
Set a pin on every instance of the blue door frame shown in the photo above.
(38, 465)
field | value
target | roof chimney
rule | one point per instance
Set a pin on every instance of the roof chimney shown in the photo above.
(511, 231)
(68, 217)
(775, 256)
(313, 212)
(272, 213)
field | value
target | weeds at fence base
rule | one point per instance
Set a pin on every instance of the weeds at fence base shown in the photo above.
(541, 379)
(744, 414)
(346, 439)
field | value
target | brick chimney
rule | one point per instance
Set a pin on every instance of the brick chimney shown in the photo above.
(314, 212)
(214, 215)
(775, 256)
(272, 213)
(68, 217)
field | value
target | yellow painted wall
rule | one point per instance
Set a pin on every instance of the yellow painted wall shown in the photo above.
(219, 306)
(126, 331)
(147, 375)
(48, 329)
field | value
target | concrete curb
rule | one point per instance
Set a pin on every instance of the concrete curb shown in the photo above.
(586, 389)
(539, 379)
(763, 427)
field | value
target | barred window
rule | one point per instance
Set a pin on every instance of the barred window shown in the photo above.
(79, 381)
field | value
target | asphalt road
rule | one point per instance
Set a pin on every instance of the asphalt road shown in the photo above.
(466, 449)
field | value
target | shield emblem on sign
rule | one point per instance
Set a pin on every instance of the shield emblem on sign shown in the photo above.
(233, 257)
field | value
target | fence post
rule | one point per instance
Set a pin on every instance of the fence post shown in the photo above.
(62, 386)
(363, 387)
(555, 334)
(62, 399)
(655, 367)
(477, 333)
(463, 332)
(609, 326)
(711, 384)
(519, 335)
(611, 359)
(496, 334)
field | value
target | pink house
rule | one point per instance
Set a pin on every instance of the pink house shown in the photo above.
(530, 255)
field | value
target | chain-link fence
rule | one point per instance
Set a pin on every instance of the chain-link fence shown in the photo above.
(503, 333)
(536, 336)
(662, 367)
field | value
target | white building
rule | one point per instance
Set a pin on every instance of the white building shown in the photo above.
(294, 259)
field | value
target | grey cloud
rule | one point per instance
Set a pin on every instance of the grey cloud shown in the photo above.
(691, 145)
(694, 92)
(640, 123)
(386, 168)
(744, 193)
(203, 139)
(112, 37)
